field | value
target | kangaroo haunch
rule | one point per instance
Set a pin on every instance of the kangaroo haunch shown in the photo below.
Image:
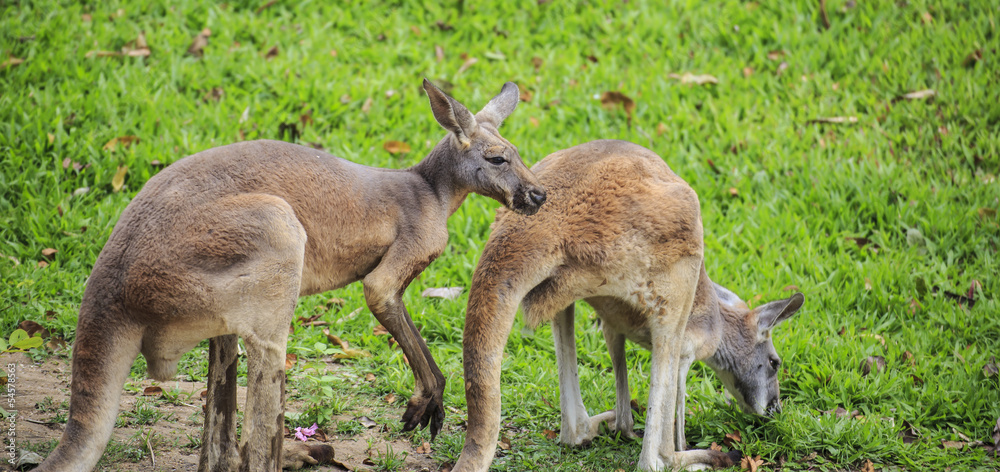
(624, 233)
(222, 243)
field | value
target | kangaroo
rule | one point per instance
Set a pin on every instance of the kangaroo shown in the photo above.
(621, 231)
(222, 243)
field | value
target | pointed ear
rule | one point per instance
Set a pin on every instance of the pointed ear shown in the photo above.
(501, 106)
(453, 116)
(773, 313)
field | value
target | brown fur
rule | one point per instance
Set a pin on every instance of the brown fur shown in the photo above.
(222, 243)
(623, 232)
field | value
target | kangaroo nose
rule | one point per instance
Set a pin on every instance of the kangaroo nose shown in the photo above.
(537, 196)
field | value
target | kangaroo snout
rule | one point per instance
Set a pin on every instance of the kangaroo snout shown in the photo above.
(773, 408)
(528, 201)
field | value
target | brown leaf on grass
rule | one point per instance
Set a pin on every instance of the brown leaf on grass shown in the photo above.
(868, 284)
(791, 288)
(868, 467)
(396, 147)
(271, 53)
(199, 42)
(872, 363)
(636, 407)
(862, 242)
(537, 62)
(213, 95)
(290, 360)
(86, 17)
(953, 444)
(424, 448)
(119, 179)
(715, 447)
(448, 293)
(438, 53)
(415, 30)
(781, 68)
(33, 328)
(152, 391)
(661, 128)
(265, 6)
(504, 443)
(908, 357)
(834, 120)
(526, 95)
(689, 78)
(990, 369)
(11, 62)
(973, 58)
(915, 306)
(919, 95)
(841, 412)
(734, 192)
(467, 64)
(751, 463)
(926, 18)
(731, 438)
(747, 72)
(390, 398)
(56, 344)
(533, 121)
(48, 253)
(203, 394)
(367, 106)
(379, 330)
(592, 58)
(367, 422)
(123, 141)
(909, 434)
(874, 336)
(775, 55)
(345, 99)
(550, 435)
(370, 377)
(443, 26)
(823, 15)
(611, 99)
(137, 47)
(348, 352)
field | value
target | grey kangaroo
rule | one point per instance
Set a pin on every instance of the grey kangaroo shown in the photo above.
(623, 232)
(220, 244)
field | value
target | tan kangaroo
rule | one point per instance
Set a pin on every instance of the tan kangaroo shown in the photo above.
(222, 243)
(623, 232)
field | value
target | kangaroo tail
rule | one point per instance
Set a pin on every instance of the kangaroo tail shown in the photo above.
(106, 345)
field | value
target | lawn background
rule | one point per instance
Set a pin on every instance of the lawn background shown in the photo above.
(875, 219)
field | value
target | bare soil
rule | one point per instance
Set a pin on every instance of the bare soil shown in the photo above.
(40, 389)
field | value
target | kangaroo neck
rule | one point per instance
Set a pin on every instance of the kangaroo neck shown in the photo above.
(706, 325)
(437, 170)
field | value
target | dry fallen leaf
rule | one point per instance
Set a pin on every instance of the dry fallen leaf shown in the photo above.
(49, 252)
(689, 78)
(119, 179)
(367, 422)
(775, 55)
(908, 357)
(868, 467)
(549, 434)
(537, 62)
(747, 72)
(872, 363)
(379, 330)
(32, 327)
(526, 95)
(370, 377)
(367, 106)
(390, 398)
(996, 434)
(990, 369)
(834, 120)
(751, 463)
(611, 99)
(953, 444)
(290, 360)
(137, 47)
(11, 62)
(396, 147)
(533, 121)
(153, 391)
(919, 95)
(734, 192)
(448, 293)
(791, 288)
(926, 17)
(124, 141)
(438, 53)
(271, 53)
(661, 128)
(715, 447)
(504, 443)
(467, 64)
(424, 448)
(733, 437)
(199, 42)
(868, 284)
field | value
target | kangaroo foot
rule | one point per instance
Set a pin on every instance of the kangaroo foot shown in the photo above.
(421, 411)
(297, 455)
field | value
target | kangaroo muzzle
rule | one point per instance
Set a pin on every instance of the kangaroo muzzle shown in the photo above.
(527, 201)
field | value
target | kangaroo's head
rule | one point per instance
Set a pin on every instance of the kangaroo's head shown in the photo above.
(479, 159)
(746, 361)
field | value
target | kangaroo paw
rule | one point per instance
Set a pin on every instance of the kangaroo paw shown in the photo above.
(422, 411)
(298, 455)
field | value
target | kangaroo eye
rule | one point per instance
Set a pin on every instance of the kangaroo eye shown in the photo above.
(775, 363)
(496, 160)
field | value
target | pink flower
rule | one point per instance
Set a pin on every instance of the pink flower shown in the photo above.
(302, 434)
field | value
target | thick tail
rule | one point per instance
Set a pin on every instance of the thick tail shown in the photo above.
(105, 347)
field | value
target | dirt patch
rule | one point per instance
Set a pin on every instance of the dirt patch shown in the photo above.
(41, 394)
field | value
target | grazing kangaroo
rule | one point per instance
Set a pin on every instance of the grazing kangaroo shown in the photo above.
(623, 232)
(223, 242)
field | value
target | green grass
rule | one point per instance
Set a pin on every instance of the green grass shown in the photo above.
(780, 195)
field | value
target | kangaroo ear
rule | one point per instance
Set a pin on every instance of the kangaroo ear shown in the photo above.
(501, 106)
(773, 313)
(452, 116)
